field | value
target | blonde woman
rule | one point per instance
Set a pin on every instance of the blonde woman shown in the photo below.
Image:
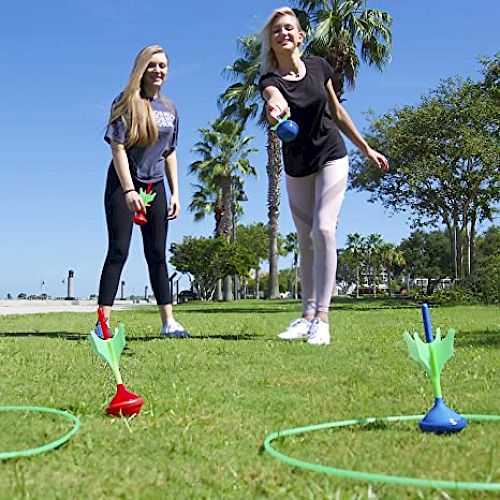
(316, 162)
(142, 132)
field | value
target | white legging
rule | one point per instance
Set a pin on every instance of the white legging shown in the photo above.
(315, 202)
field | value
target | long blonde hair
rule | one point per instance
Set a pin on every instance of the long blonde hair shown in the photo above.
(267, 57)
(135, 108)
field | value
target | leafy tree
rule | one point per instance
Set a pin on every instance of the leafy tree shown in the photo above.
(209, 259)
(391, 256)
(484, 281)
(444, 156)
(346, 266)
(340, 29)
(427, 255)
(287, 280)
(255, 238)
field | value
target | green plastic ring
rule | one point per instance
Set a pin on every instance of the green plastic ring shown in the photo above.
(46, 447)
(370, 476)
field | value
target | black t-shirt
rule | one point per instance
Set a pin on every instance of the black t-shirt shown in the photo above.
(319, 139)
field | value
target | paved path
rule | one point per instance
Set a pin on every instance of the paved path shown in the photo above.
(8, 307)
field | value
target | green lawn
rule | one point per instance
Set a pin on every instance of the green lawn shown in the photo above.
(211, 400)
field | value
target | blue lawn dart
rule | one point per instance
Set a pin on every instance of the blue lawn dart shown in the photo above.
(432, 356)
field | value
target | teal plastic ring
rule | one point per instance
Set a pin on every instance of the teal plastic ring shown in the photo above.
(370, 476)
(46, 447)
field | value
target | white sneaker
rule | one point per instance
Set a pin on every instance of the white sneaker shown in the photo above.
(298, 329)
(319, 333)
(173, 329)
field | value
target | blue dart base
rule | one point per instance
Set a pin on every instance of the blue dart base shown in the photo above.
(441, 419)
(287, 130)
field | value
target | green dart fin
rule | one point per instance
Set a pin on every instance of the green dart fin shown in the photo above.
(419, 351)
(443, 348)
(110, 350)
(147, 198)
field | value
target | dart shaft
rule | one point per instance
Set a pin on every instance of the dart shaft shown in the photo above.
(114, 364)
(104, 325)
(435, 378)
(426, 317)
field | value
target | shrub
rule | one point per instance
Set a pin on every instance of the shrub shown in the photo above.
(455, 294)
(485, 282)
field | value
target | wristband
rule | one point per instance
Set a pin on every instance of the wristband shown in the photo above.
(128, 191)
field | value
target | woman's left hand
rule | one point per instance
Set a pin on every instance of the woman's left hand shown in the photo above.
(377, 159)
(174, 207)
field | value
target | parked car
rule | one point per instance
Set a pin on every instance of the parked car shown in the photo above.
(187, 295)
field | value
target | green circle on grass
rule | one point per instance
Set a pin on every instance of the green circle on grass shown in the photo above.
(371, 476)
(29, 452)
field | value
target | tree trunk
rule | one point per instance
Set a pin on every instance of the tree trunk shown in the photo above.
(227, 228)
(296, 281)
(472, 243)
(388, 271)
(273, 202)
(459, 251)
(357, 280)
(226, 220)
(367, 273)
(374, 281)
(452, 240)
(228, 289)
(257, 283)
(337, 56)
(218, 291)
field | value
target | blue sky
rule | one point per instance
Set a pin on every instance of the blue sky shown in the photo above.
(64, 62)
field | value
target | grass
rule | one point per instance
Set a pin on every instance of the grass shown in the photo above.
(211, 400)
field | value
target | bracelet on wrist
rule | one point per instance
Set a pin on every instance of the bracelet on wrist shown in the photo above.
(128, 191)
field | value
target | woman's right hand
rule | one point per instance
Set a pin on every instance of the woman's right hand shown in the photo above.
(276, 104)
(276, 109)
(134, 202)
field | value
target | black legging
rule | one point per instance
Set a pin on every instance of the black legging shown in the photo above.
(154, 238)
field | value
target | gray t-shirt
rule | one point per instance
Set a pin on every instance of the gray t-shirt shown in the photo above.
(148, 164)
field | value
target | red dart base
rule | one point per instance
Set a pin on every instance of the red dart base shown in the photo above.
(140, 218)
(124, 403)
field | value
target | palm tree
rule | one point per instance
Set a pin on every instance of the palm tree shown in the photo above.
(207, 200)
(291, 245)
(373, 244)
(224, 151)
(391, 256)
(335, 28)
(242, 101)
(356, 245)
